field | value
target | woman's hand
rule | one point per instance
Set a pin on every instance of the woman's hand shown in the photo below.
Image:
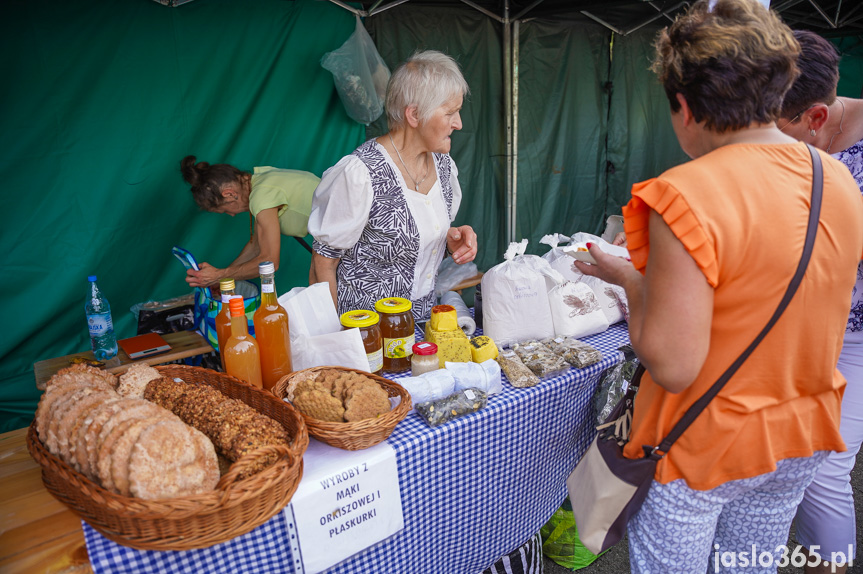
(609, 268)
(208, 275)
(620, 239)
(461, 243)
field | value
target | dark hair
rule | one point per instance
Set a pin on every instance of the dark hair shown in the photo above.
(733, 64)
(207, 180)
(819, 74)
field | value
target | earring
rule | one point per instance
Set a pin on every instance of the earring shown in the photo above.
(812, 133)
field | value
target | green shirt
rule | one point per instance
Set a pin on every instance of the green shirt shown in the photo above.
(289, 190)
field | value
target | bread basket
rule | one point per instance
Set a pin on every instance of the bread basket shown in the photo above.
(235, 507)
(354, 435)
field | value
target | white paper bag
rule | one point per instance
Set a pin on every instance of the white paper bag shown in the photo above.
(576, 310)
(558, 259)
(612, 298)
(515, 297)
(317, 338)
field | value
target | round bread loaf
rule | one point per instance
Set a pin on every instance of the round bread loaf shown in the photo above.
(172, 459)
(89, 431)
(70, 418)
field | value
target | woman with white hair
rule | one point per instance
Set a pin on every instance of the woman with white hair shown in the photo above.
(381, 217)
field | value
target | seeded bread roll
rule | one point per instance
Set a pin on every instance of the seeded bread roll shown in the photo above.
(134, 380)
(234, 427)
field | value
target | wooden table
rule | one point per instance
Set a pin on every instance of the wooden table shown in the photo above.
(38, 533)
(470, 282)
(183, 344)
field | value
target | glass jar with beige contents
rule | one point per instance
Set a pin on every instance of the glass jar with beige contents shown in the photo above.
(368, 322)
(424, 358)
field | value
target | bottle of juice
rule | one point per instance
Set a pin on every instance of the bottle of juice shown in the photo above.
(271, 330)
(242, 358)
(223, 319)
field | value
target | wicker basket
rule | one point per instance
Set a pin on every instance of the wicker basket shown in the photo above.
(236, 506)
(356, 435)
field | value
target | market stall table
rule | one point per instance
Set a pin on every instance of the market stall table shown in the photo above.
(183, 344)
(471, 490)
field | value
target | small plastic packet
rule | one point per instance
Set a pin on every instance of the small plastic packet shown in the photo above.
(614, 385)
(540, 359)
(577, 353)
(460, 403)
(516, 372)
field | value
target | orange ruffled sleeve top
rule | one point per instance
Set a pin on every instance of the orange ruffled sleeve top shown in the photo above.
(741, 211)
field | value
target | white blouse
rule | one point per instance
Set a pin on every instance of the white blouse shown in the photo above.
(343, 199)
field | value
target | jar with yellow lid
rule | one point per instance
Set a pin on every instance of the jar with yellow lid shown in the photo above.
(368, 322)
(397, 329)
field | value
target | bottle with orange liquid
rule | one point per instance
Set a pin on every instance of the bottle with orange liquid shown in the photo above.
(223, 319)
(271, 330)
(242, 358)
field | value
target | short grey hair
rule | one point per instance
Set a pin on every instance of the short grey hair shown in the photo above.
(428, 80)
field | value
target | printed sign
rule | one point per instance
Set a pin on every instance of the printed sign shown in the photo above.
(346, 501)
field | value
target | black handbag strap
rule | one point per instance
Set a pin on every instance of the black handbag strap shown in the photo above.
(812, 229)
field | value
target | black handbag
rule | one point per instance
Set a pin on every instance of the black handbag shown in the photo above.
(607, 489)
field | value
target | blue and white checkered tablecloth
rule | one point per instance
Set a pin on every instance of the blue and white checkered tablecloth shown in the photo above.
(472, 489)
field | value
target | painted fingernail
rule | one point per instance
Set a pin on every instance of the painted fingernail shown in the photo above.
(589, 245)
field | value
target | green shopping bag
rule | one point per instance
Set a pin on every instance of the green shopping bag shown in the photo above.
(560, 540)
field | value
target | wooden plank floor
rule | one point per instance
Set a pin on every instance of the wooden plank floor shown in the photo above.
(37, 532)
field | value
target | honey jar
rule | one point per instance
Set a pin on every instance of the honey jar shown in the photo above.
(397, 329)
(368, 322)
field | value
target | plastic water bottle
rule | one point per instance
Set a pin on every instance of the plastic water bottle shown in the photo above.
(102, 338)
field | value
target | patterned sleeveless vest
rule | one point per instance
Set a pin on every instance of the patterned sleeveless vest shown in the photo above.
(383, 261)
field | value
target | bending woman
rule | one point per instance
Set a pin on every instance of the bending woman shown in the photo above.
(714, 243)
(811, 112)
(381, 217)
(279, 200)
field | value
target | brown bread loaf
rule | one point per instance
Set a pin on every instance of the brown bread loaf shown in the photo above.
(234, 427)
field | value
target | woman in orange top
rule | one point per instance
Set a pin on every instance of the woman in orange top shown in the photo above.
(714, 243)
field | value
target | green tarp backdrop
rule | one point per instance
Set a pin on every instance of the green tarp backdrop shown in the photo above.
(102, 99)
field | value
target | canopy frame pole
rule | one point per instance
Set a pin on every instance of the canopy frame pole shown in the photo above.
(341, 4)
(603, 22)
(662, 13)
(507, 106)
(848, 19)
(823, 13)
(514, 112)
(521, 14)
(488, 13)
(375, 10)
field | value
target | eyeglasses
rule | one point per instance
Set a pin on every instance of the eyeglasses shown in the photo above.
(796, 117)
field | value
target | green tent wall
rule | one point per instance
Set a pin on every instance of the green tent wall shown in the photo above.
(103, 99)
